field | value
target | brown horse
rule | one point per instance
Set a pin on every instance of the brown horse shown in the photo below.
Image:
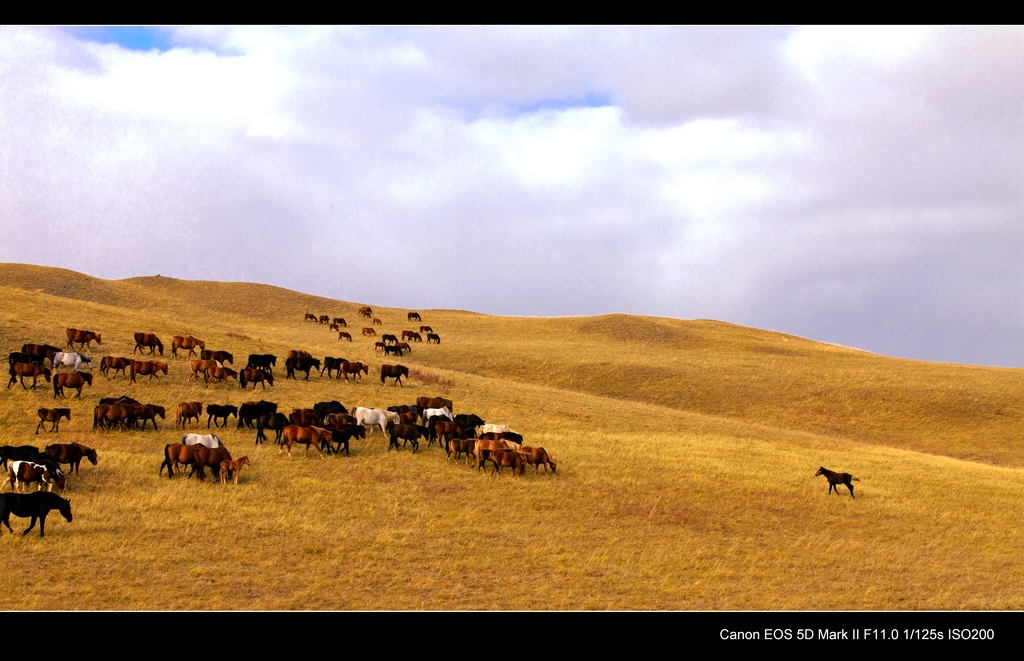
(366, 311)
(177, 455)
(369, 331)
(190, 343)
(395, 372)
(307, 436)
(341, 322)
(310, 317)
(229, 467)
(255, 376)
(45, 351)
(325, 318)
(426, 329)
(52, 416)
(377, 322)
(143, 340)
(219, 356)
(414, 316)
(115, 363)
(434, 403)
(199, 367)
(147, 368)
(353, 368)
(343, 335)
(82, 338)
(21, 370)
(187, 411)
(433, 337)
(76, 380)
(71, 454)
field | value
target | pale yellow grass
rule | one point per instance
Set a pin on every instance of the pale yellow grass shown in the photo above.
(665, 497)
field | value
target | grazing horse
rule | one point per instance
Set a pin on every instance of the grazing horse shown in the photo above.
(369, 331)
(147, 340)
(343, 335)
(175, 456)
(115, 363)
(334, 327)
(52, 416)
(21, 370)
(209, 457)
(325, 318)
(366, 311)
(414, 316)
(378, 346)
(377, 322)
(255, 376)
(538, 457)
(835, 479)
(70, 359)
(433, 337)
(71, 454)
(393, 351)
(148, 368)
(82, 338)
(25, 472)
(407, 334)
(36, 505)
(426, 329)
(388, 338)
(190, 343)
(76, 380)
(310, 317)
(341, 322)
(395, 372)
(403, 348)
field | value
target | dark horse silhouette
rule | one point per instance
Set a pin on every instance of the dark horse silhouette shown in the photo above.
(835, 479)
(36, 505)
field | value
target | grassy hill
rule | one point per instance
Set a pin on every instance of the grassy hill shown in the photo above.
(686, 450)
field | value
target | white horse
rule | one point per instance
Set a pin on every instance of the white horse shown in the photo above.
(70, 359)
(443, 413)
(206, 440)
(372, 417)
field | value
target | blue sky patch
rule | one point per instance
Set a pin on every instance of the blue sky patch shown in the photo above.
(135, 37)
(589, 101)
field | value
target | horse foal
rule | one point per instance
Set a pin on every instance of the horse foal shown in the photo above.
(835, 479)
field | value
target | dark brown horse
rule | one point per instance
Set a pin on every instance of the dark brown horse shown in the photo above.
(21, 370)
(76, 380)
(52, 416)
(82, 338)
(44, 350)
(255, 376)
(395, 372)
(414, 316)
(219, 356)
(310, 317)
(366, 311)
(343, 335)
(835, 479)
(143, 340)
(71, 454)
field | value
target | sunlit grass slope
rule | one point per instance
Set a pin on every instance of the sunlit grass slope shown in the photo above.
(686, 452)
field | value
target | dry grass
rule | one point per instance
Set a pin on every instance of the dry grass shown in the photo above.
(686, 455)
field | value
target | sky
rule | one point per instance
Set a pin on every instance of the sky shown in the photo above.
(854, 185)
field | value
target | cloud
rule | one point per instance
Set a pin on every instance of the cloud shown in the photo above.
(856, 185)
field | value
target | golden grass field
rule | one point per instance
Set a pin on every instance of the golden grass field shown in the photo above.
(686, 457)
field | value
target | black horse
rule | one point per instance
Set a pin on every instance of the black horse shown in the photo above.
(36, 505)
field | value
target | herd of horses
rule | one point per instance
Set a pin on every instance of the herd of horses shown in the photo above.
(327, 427)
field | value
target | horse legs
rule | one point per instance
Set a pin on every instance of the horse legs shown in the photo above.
(33, 525)
(5, 520)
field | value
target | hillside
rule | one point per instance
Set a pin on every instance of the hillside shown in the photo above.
(686, 451)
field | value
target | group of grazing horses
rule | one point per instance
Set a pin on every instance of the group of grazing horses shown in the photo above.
(125, 413)
(201, 452)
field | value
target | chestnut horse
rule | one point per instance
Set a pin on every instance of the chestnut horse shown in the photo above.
(147, 368)
(148, 340)
(395, 372)
(190, 343)
(82, 338)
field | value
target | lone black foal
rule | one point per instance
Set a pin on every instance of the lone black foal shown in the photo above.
(835, 479)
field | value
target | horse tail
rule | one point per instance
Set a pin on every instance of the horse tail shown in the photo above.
(855, 479)
(56, 387)
(167, 461)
